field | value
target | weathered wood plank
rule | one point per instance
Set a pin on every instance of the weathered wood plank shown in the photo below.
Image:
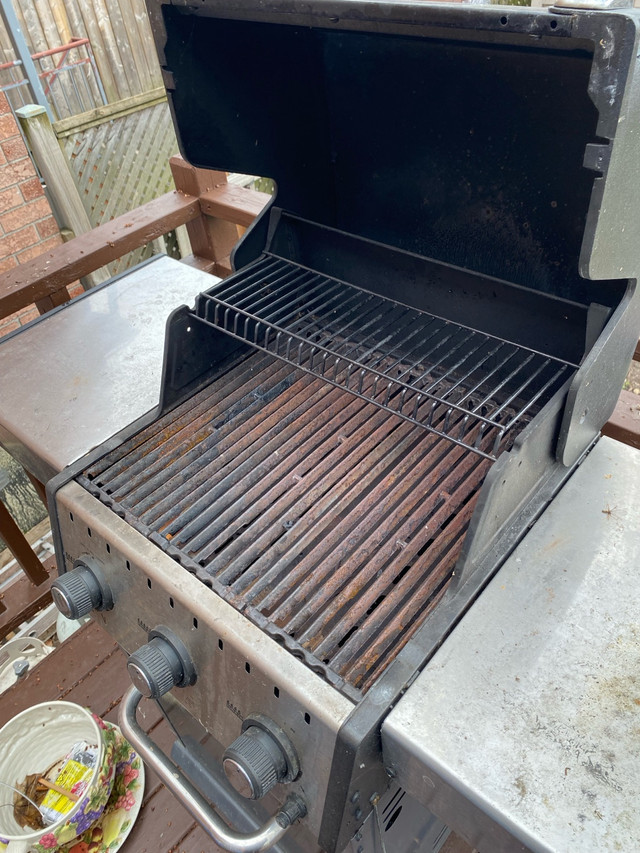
(53, 36)
(84, 23)
(54, 167)
(210, 238)
(31, 27)
(53, 301)
(122, 45)
(223, 267)
(136, 58)
(145, 40)
(49, 272)
(60, 672)
(16, 542)
(117, 58)
(109, 112)
(59, 15)
(102, 694)
(163, 826)
(234, 204)
(197, 841)
(23, 599)
(624, 423)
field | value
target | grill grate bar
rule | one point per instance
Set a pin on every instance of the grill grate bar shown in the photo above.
(398, 465)
(344, 334)
(239, 459)
(305, 402)
(303, 462)
(119, 467)
(535, 397)
(368, 571)
(188, 436)
(306, 512)
(403, 608)
(272, 580)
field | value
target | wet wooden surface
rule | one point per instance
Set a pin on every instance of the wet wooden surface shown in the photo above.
(90, 669)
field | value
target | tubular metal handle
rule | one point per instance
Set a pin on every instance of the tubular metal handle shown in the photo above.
(235, 842)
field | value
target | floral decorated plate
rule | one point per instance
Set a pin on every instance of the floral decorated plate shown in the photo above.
(109, 833)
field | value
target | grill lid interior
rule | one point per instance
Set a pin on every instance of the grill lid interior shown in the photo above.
(454, 133)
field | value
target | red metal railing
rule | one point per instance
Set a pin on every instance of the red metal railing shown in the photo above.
(74, 93)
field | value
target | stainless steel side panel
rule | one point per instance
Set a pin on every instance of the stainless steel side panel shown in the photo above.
(524, 729)
(71, 380)
(240, 669)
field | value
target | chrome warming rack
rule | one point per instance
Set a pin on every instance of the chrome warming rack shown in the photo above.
(461, 384)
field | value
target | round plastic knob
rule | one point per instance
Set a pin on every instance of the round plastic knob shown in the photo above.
(78, 592)
(20, 667)
(155, 668)
(261, 757)
(161, 664)
(254, 763)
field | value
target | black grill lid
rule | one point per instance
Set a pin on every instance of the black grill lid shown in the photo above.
(457, 133)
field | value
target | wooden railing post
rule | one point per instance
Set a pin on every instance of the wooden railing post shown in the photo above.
(211, 239)
(53, 166)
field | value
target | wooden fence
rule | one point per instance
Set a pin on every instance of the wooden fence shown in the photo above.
(102, 163)
(119, 158)
(118, 30)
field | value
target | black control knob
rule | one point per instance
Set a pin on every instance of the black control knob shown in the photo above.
(161, 664)
(78, 592)
(260, 758)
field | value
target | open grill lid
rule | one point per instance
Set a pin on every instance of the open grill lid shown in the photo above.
(456, 133)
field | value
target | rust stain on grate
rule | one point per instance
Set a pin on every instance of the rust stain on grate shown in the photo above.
(317, 511)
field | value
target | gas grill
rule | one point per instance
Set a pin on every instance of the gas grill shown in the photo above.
(424, 333)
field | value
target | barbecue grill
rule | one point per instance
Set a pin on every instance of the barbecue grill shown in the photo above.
(423, 336)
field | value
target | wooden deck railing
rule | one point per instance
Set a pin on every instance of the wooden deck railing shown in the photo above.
(624, 424)
(211, 209)
(213, 212)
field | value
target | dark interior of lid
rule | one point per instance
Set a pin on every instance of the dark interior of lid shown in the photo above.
(468, 153)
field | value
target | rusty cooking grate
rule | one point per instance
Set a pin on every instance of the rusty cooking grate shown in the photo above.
(454, 381)
(318, 514)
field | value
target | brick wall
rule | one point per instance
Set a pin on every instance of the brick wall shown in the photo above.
(27, 226)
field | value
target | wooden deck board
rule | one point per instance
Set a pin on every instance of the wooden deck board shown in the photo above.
(23, 599)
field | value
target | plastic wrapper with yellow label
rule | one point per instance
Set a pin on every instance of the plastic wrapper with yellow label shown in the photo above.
(74, 776)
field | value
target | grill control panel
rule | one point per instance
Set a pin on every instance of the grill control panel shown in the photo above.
(239, 674)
